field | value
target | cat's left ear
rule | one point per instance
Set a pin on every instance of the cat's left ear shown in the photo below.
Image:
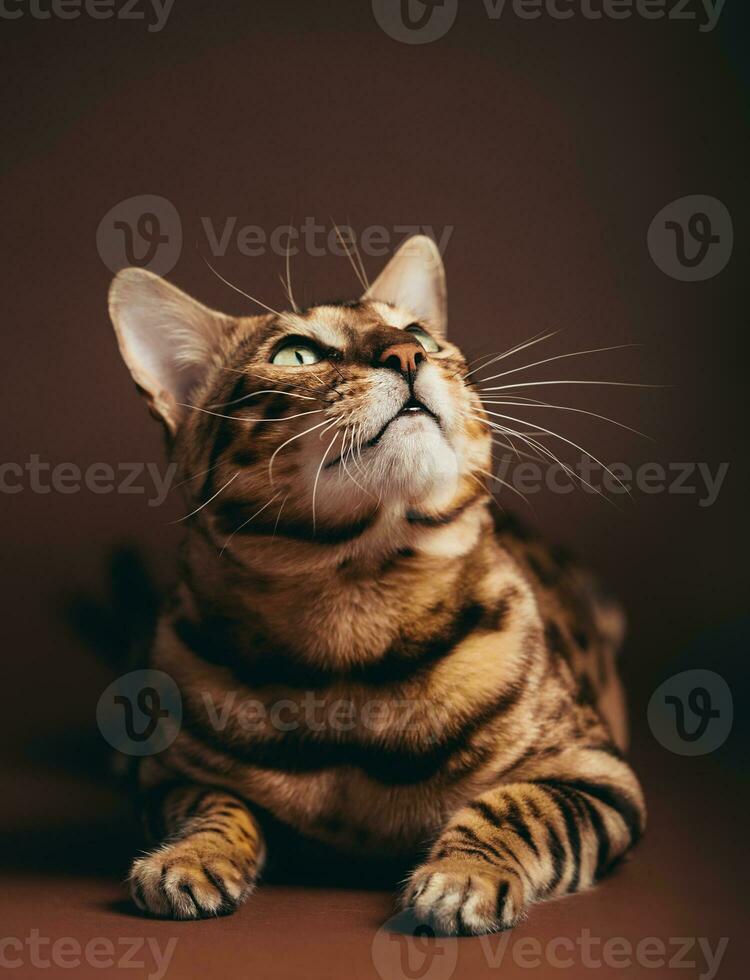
(414, 280)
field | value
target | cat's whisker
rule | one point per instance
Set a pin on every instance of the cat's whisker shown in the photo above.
(245, 523)
(348, 452)
(263, 377)
(207, 502)
(288, 284)
(245, 418)
(298, 436)
(317, 478)
(266, 391)
(278, 516)
(570, 442)
(538, 384)
(533, 443)
(536, 339)
(362, 279)
(506, 484)
(528, 403)
(558, 357)
(355, 248)
(240, 291)
(196, 475)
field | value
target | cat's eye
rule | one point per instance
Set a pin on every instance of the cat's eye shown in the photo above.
(430, 345)
(296, 353)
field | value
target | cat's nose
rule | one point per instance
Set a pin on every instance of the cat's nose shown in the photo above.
(404, 358)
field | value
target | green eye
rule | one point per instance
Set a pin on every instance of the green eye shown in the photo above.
(294, 354)
(430, 345)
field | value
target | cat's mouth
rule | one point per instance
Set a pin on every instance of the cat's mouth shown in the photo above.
(413, 408)
(410, 409)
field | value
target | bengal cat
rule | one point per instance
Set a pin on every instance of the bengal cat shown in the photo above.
(341, 552)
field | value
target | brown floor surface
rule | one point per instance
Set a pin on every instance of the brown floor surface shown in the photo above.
(683, 889)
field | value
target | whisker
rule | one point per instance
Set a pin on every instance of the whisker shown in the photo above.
(298, 436)
(537, 384)
(355, 247)
(267, 391)
(245, 418)
(317, 477)
(570, 442)
(245, 523)
(207, 502)
(357, 273)
(278, 516)
(344, 453)
(238, 290)
(505, 484)
(526, 403)
(288, 286)
(536, 339)
(559, 357)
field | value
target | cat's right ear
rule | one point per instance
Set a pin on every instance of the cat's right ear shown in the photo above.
(167, 339)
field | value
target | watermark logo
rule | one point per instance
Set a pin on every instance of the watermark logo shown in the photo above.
(406, 950)
(424, 21)
(415, 21)
(692, 238)
(145, 230)
(140, 713)
(691, 713)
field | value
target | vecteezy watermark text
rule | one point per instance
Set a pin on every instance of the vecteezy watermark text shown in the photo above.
(156, 12)
(66, 953)
(42, 477)
(403, 951)
(425, 21)
(530, 477)
(147, 230)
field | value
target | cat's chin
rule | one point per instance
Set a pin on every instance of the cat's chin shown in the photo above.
(414, 463)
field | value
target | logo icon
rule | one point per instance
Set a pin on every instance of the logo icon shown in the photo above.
(415, 21)
(145, 230)
(692, 239)
(140, 713)
(692, 712)
(406, 950)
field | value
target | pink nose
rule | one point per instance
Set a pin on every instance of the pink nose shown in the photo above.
(404, 358)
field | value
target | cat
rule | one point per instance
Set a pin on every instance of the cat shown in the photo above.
(343, 550)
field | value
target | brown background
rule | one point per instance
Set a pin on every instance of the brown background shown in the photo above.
(548, 147)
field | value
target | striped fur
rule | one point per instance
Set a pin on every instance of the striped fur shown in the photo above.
(397, 669)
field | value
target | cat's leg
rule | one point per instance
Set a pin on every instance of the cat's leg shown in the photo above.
(551, 835)
(210, 858)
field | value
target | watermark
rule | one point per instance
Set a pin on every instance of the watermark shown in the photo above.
(692, 238)
(154, 13)
(426, 21)
(145, 954)
(691, 713)
(147, 231)
(36, 475)
(699, 480)
(312, 713)
(403, 950)
(140, 713)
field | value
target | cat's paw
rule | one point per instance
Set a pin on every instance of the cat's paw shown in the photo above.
(189, 880)
(458, 898)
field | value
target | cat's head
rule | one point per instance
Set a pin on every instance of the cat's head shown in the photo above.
(312, 422)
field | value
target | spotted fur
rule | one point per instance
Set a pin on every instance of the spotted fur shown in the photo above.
(366, 651)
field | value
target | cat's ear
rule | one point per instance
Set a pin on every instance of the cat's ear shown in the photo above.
(166, 338)
(414, 280)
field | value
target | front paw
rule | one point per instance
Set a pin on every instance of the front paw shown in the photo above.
(462, 897)
(189, 880)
